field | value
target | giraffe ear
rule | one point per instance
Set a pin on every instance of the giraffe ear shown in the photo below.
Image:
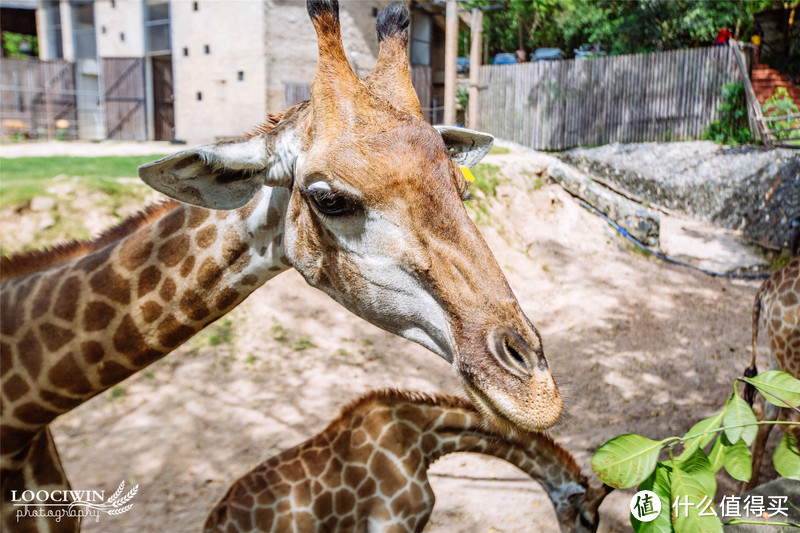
(467, 147)
(225, 175)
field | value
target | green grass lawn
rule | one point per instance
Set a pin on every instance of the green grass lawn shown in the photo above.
(23, 178)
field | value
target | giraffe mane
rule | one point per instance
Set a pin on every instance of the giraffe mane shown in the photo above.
(24, 263)
(264, 127)
(519, 437)
(396, 395)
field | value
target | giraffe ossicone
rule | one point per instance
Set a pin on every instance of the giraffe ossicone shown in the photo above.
(367, 471)
(352, 188)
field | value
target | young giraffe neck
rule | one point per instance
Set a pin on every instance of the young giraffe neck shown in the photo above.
(73, 330)
(368, 468)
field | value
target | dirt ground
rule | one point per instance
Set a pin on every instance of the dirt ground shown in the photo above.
(636, 346)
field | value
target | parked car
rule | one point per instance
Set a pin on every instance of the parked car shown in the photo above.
(504, 58)
(547, 54)
(589, 50)
(462, 65)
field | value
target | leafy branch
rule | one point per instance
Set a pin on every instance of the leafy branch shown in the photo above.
(722, 440)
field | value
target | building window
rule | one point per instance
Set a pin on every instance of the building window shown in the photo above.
(374, 11)
(207, 49)
(195, 7)
(122, 36)
(185, 51)
(103, 30)
(113, 4)
(199, 96)
(157, 26)
(83, 30)
(240, 75)
(52, 16)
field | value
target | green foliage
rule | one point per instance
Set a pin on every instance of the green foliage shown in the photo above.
(778, 105)
(15, 45)
(731, 127)
(628, 460)
(628, 27)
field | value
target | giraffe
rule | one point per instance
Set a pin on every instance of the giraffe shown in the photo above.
(779, 299)
(367, 471)
(352, 188)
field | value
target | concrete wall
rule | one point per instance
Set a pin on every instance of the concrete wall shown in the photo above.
(233, 31)
(120, 29)
(292, 43)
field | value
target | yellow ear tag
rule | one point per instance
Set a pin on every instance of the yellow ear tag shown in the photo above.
(467, 174)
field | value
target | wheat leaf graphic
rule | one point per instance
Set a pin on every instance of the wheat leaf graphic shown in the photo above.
(120, 510)
(131, 493)
(117, 493)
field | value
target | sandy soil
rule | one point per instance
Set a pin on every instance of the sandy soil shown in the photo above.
(636, 345)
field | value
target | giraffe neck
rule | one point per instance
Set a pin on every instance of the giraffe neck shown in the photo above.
(73, 330)
(463, 430)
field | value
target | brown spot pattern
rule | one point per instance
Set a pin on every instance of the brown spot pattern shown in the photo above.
(174, 250)
(187, 266)
(135, 250)
(129, 341)
(55, 337)
(15, 388)
(67, 299)
(208, 274)
(148, 280)
(67, 375)
(171, 332)
(206, 236)
(167, 291)
(171, 223)
(226, 299)
(193, 305)
(97, 316)
(92, 352)
(197, 215)
(108, 283)
(150, 311)
(111, 372)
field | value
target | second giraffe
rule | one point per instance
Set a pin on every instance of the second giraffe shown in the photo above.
(367, 471)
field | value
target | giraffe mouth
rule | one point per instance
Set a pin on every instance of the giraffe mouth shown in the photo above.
(535, 411)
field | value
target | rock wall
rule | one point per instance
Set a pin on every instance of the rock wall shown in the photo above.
(749, 188)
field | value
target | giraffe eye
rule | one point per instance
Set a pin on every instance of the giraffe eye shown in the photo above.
(331, 203)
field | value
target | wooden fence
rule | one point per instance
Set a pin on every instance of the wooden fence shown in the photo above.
(37, 99)
(648, 97)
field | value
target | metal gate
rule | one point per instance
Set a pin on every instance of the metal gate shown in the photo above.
(163, 98)
(124, 98)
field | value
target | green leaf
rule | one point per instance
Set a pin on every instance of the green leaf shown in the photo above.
(659, 483)
(775, 383)
(692, 481)
(626, 460)
(738, 413)
(737, 461)
(694, 442)
(787, 457)
(717, 454)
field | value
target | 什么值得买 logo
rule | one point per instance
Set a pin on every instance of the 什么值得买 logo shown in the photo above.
(57, 504)
(645, 506)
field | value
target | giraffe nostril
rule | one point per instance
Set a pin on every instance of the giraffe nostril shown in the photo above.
(513, 353)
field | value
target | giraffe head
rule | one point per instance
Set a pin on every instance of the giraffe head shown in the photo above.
(578, 506)
(374, 217)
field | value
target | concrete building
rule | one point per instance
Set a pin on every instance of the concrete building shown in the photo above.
(205, 70)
